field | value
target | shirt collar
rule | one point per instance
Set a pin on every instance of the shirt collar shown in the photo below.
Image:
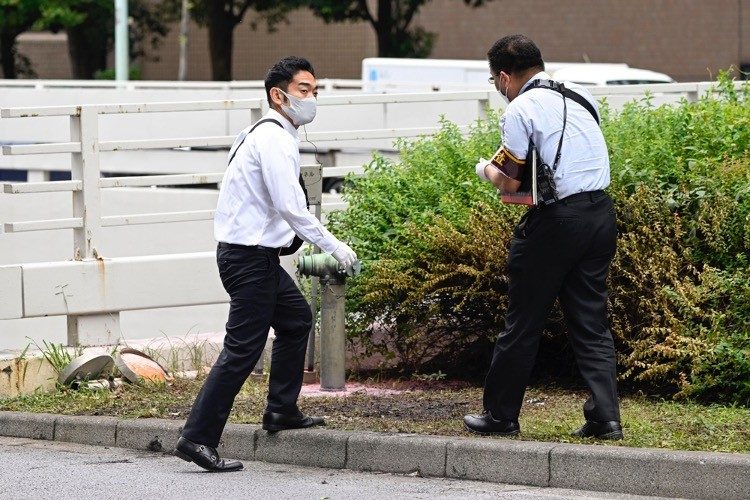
(542, 75)
(272, 113)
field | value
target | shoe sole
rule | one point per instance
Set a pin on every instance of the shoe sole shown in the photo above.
(186, 458)
(613, 436)
(279, 428)
(503, 434)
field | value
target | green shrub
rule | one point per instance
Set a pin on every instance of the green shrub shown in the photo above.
(671, 144)
(677, 319)
(434, 240)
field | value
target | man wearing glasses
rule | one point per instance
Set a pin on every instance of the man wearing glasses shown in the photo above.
(563, 245)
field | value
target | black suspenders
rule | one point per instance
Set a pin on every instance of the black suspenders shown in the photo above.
(559, 87)
(297, 242)
(259, 122)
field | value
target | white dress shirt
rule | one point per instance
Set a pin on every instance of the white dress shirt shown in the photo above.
(260, 200)
(538, 113)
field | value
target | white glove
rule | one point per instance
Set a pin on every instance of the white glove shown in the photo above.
(344, 255)
(480, 166)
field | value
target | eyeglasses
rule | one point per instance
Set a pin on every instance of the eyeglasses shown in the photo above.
(491, 79)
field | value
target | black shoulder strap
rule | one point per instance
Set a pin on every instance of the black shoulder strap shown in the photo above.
(297, 241)
(559, 87)
(259, 122)
(265, 120)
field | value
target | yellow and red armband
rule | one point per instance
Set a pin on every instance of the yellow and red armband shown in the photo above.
(508, 164)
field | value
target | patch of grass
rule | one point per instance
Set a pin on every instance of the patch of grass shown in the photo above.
(549, 414)
(57, 355)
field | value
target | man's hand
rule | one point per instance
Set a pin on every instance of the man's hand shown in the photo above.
(480, 169)
(344, 255)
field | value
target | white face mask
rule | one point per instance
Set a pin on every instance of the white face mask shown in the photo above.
(301, 111)
(504, 94)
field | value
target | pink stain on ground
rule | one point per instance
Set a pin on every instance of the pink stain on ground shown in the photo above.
(314, 391)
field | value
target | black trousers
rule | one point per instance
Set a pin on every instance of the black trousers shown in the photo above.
(262, 295)
(562, 250)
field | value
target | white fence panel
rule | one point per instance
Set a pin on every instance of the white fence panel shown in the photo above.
(11, 301)
(121, 284)
(125, 241)
(134, 325)
(130, 277)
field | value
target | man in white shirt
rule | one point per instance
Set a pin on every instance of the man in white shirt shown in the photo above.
(559, 250)
(261, 214)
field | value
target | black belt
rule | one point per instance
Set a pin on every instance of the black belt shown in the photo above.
(590, 196)
(235, 246)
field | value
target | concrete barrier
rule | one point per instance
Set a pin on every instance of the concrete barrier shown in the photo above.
(239, 441)
(150, 434)
(323, 448)
(397, 453)
(651, 471)
(28, 425)
(25, 375)
(499, 461)
(98, 431)
(607, 468)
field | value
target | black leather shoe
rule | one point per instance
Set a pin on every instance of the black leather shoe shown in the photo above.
(599, 430)
(487, 424)
(205, 456)
(274, 422)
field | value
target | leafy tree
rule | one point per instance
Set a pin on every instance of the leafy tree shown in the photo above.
(16, 17)
(391, 22)
(221, 17)
(90, 28)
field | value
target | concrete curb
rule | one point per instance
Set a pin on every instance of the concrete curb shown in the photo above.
(612, 469)
(500, 461)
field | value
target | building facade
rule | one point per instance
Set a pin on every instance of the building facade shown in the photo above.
(691, 40)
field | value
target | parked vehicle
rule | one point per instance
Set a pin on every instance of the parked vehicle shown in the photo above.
(382, 74)
(608, 74)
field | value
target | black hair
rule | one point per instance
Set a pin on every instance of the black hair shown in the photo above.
(514, 53)
(282, 73)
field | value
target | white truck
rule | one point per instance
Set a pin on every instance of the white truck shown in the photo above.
(383, 74)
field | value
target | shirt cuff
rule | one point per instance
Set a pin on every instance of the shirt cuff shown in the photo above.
(329, 244)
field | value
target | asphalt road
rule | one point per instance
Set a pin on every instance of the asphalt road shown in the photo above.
(42, 469)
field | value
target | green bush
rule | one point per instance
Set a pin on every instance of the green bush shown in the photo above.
(677, 319)
(434, 240)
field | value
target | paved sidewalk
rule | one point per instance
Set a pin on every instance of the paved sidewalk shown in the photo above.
(50, 470)
(507, 461)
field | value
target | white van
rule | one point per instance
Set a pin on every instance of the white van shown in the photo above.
(383, 74)
(607, 74)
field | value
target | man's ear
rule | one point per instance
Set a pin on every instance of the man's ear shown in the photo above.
(277, 97)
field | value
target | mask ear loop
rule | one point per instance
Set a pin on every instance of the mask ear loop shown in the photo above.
(284, 97)
(304, 129)
(506, 89)
(315, 147)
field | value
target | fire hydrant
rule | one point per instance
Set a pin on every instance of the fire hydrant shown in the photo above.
(332, 327)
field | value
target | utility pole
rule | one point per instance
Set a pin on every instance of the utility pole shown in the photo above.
(184, 28)
(121, 40)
